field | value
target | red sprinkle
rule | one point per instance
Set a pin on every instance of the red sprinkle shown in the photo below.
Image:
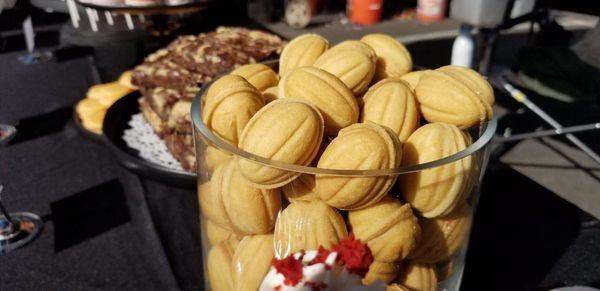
(321, 257)
(277, 288)
(355, 255)
(290, 268)
(302, 253)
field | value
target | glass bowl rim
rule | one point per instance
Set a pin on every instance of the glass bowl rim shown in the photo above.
(213, 140)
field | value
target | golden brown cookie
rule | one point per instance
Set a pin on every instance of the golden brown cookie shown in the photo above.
(353, 67)
(259, 75)
(94, 121)
(214, 157)
(220, 265)
(389, 229)
(444, 97)
(86, 107)
(252, 261)
(109, 93)
(443, 236)
(353, 45)
(412, 78)
(211, 202)
(270, 94)
(418, 277)
(392, 103)
(381, 271)
(301, 189)
(473, 80)
(306, 225)
(322, 148)
(125, 80)
(361, 146)
(286, 130)
(249, 210)
(396, 287)
(229, 104)
(436, 191)
(302, 51)
(393, 59)
(326, 91)
(217, 234)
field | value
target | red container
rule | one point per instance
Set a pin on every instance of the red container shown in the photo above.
(314, 6)
(364, 12)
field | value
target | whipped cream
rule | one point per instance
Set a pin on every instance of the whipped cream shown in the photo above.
(327, 275)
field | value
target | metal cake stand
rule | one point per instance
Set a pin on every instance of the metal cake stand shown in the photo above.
(160, 15)
(162, 9)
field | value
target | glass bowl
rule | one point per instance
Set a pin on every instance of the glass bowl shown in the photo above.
(227, 225)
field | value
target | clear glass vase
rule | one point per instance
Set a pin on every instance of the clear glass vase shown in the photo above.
(237, 236)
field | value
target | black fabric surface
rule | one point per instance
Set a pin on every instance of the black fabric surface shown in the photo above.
(175, 213)
(560, 69)
(28, 91)
(40, 173)
(527, 238)
(524, 236)
(105, 228)
(108, 229)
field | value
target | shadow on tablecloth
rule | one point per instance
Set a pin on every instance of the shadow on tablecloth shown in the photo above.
(527, 238)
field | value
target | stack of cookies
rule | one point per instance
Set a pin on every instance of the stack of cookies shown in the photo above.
(170, 78)
(354, 106)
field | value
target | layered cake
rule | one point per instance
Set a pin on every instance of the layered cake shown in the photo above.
(171, 77)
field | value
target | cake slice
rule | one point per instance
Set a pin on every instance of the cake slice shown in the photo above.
(152, 117)
(181, 147)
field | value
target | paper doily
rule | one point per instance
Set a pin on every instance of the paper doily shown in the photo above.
(150, 147)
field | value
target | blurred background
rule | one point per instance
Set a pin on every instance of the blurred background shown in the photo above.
(537, 224)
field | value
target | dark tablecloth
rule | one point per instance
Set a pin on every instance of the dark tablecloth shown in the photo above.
(106, 228)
